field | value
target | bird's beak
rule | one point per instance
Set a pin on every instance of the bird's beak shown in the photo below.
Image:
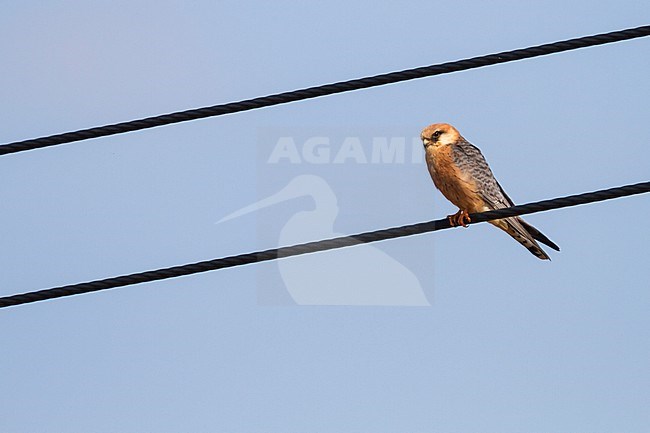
(426, 142)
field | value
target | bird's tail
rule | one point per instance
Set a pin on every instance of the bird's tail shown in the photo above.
(526, 235)
(537, 235)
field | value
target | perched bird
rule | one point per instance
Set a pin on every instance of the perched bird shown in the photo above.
(460, 172)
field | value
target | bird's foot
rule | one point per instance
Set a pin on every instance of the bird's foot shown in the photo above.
(460, 218)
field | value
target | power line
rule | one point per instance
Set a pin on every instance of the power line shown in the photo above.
(323, 245)
(327, 89)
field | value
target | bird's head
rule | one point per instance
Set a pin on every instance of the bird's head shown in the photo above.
(439, 134)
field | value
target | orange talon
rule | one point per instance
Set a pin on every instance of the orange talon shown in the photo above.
(460, 218)
(464, 219)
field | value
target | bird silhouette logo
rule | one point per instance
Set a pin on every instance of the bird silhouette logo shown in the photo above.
(360, 275)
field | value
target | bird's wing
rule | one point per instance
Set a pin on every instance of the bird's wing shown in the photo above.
(472, 163)
(508, 199)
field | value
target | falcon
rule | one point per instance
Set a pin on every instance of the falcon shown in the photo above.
(462, 174)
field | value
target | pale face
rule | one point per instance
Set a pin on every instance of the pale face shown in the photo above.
(438, 135)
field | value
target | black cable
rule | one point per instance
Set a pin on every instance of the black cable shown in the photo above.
(327, 89)
(310, 247)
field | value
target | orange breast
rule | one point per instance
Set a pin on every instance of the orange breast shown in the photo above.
(458, 187)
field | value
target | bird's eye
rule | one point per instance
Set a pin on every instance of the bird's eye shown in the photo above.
(436, 135)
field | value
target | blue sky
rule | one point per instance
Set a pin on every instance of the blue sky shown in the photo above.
(508, 344)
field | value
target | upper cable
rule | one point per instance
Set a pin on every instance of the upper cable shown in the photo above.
(326, 89)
